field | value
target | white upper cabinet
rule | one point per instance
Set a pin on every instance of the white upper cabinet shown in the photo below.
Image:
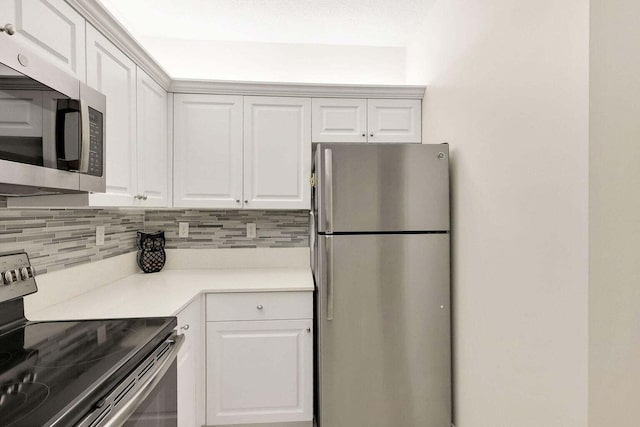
(367, 120)
(227, 157)
(207, 151)
(114, 74)
(50, 27)
(339, 120)
(394, 120)
(277, 152)
(152, 143)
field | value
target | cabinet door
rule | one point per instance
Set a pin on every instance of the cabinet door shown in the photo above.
(339, 120)
(394, 120)
(259, 371)
(207, 151)
(191, 366)
(152, 142)
(112, 73)
(277, 152)
(52, 28)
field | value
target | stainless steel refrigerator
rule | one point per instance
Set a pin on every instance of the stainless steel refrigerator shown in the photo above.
(380, 255)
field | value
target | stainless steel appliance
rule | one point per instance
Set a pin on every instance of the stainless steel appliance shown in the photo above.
(83, 373)
(380, 239)
(52, 127)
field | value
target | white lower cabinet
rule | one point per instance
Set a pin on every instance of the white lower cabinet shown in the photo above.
(259, 371)
(191, 366)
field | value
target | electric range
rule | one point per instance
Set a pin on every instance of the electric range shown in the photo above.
(83, 372)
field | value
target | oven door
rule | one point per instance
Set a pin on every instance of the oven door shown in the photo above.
(147, 397)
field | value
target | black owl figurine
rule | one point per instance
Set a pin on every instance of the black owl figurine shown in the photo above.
(151, 255)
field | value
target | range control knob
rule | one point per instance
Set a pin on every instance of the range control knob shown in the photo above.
(24, 273)
(7, 277)
(16, 275)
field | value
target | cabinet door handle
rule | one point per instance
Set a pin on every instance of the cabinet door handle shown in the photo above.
(9, 29)
(308, 330)
(185, 327)
(364, 134)
(259, 307)
(371, 135)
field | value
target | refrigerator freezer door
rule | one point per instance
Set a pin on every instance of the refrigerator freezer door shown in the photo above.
(386, 187)
(384, 330)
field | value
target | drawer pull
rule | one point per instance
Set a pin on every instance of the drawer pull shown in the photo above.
(259, 307)
(185, 327)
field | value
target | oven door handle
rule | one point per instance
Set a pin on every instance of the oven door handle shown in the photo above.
(128, 406)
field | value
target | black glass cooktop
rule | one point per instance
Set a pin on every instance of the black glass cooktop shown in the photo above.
(52, 373)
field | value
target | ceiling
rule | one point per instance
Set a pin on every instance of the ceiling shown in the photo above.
(335, 22)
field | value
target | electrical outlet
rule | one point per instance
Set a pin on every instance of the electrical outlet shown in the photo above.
(251, 230)
(183, 229)
(100, 235)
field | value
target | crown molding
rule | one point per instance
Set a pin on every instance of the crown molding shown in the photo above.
(222, 87)
(96, 14)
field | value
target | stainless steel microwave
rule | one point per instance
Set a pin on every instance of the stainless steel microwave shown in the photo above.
(52, 127)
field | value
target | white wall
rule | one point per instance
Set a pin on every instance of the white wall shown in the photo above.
(614, 282)
(280, 62)
(508, 89)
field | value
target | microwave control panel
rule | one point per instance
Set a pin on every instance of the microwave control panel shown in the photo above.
(96, 142)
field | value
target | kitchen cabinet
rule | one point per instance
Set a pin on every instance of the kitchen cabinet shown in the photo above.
(152, 143)
(259, 369)
(242, 152)
(339, 120)
(111, 72)
(394, 120)
(207, 151)
(277, 152)
(137, 154)
(367, 120)
(190, 363)
(52, 29)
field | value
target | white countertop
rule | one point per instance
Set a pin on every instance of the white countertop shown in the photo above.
(169, 291)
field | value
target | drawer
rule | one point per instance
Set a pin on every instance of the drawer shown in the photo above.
(259, 306)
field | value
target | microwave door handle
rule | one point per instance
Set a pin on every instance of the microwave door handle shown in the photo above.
(85, 141)
(67, 160)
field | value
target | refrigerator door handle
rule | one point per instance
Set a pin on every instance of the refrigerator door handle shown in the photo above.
(328, 182)
(329, 276)
(312, 239)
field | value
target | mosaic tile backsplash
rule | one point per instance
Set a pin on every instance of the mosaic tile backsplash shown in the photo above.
(60, 238)
(227, 229)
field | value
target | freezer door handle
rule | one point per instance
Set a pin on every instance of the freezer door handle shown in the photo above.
(329, 276)
(328, 183)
